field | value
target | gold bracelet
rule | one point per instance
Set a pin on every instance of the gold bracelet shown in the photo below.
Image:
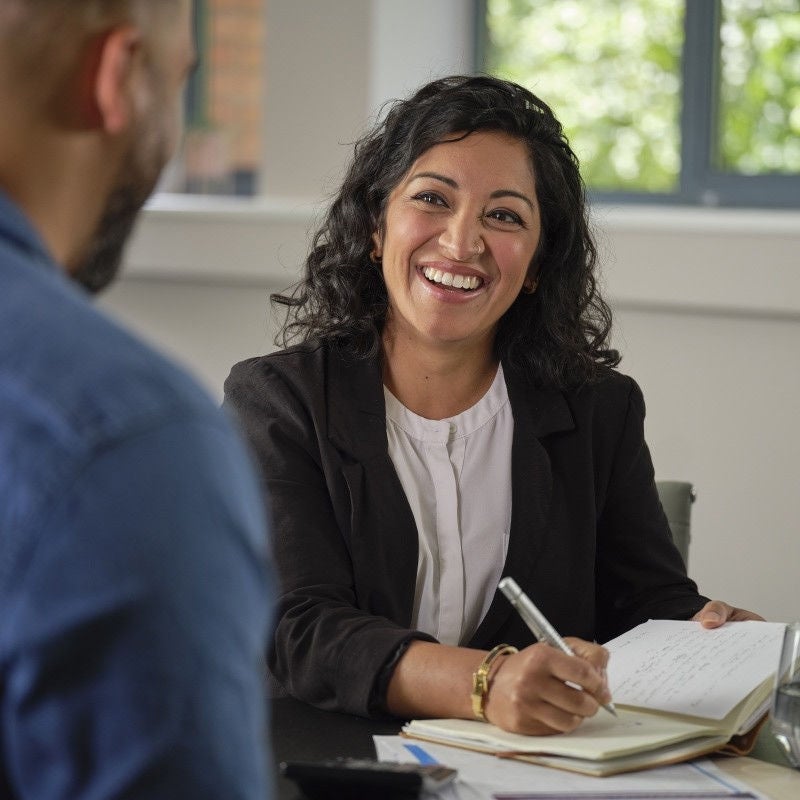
(480, 679)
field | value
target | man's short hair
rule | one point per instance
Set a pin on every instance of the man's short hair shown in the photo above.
(37, 34)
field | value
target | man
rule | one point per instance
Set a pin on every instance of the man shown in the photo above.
(134, 596)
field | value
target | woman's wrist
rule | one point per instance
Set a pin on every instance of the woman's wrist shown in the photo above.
(434, 680)
(483, 676)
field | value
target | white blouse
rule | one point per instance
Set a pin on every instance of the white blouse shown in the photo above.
(456, 474)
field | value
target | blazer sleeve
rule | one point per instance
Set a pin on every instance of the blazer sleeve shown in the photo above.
(326, 650)
(640, 573)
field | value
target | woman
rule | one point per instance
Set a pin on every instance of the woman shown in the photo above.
(451, 416)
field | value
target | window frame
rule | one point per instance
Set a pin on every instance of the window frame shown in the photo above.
(195, 93)
(700, 182)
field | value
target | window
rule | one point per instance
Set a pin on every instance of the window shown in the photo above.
(691, 101)
(759, 91)
(222, 148)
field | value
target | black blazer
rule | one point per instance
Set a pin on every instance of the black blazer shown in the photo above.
(589, 541)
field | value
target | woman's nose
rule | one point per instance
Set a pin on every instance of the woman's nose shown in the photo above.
(462, 238)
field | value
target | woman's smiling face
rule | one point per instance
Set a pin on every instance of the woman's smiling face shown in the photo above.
(458, 239)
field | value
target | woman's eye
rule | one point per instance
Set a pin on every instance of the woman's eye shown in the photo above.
(506, 217)
(430, 197)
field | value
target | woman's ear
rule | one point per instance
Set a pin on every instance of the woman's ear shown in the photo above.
(531, 282)
(376, 253)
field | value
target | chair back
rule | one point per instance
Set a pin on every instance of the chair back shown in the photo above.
(676, 499)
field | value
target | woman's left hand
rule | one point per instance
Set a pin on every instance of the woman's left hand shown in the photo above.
(715, 613)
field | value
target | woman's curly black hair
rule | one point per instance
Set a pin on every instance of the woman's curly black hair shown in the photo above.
(557, 336)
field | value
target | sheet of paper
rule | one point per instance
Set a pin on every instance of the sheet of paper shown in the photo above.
(481, 776)
(686, 669)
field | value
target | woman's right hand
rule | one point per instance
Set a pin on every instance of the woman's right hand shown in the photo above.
(528, 691)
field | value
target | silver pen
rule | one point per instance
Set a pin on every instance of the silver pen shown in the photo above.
(537, 622)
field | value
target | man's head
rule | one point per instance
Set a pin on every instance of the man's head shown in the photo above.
(94, 88)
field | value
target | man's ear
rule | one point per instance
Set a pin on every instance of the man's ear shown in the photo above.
(108, 82)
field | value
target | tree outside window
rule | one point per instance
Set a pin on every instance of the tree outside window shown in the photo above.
(678, 100)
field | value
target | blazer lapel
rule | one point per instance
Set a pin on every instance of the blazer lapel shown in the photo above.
(537, 413)
(383, 533)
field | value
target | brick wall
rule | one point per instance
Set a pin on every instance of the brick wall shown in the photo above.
(234, 61)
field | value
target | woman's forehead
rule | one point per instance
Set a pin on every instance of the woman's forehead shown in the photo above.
(488, 153)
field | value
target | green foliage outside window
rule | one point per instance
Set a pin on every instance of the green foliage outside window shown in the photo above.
(760, 88)
(612, 72)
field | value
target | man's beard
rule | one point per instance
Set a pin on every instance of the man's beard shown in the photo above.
(138, 176)
(103, 259)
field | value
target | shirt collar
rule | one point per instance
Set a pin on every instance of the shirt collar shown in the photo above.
(19, 231)
(463, 424)
(357, 411)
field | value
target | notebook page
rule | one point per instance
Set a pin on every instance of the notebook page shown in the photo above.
(683, 668)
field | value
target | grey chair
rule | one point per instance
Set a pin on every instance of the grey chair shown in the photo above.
(676, 499)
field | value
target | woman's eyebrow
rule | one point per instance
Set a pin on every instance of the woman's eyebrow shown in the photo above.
(436, 176)
(512, 193)
(454, 184)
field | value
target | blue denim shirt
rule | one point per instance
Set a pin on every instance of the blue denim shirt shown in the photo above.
(135, 596)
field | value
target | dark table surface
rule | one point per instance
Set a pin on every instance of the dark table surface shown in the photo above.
(303, 733)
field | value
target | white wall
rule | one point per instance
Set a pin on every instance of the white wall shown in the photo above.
(707, 302)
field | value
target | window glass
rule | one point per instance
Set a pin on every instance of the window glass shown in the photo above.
(759, 109)
(612, 73)
(222, 147)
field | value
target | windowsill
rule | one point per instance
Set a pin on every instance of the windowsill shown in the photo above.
(204, 208)
(680, 219)
(697, 219)
(224, 240)
(740, 262)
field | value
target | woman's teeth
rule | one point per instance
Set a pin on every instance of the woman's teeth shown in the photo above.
(467, 282)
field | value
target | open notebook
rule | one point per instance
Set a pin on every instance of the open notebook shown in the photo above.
(680, 692)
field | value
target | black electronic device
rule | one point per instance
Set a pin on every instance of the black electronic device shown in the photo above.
(364, 779)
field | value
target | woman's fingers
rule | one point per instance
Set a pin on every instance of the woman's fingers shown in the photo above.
(715, 613)
(542, 690)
